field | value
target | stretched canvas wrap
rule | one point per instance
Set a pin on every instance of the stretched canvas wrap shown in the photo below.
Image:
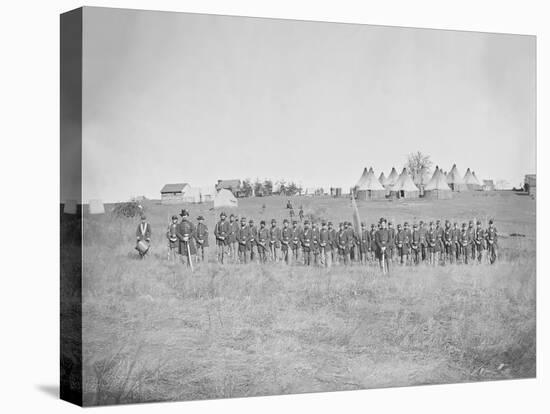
(256, 206)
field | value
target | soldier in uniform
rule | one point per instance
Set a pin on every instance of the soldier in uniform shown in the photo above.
(439, 233)
(233, 245)
(364, 243)
(274, 241)
(448, 242)
(415, 244)
(243, 239)
(431, 241)
(253, 237)
(325, 245)
(399, 241)
(262, 241)
(286, 240)
(143, 233)
(423, 243)
(315, 243)
(173, 243)
(306, 242)
(221, 233)
(455, 236)
(372, 246)
(479, 242)
(344, 243)
(471, 237)
(201, 238)
(296, 239)
(391, 245)
(382, 242)
(333, 243)
(407, 243)
(464, 240)
(185, 233)
(491, 237)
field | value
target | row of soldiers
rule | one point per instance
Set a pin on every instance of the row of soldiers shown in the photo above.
(240, 241)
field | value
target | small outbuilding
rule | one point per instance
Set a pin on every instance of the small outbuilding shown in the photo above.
(530, 184)
(488, 185)
(173, 193)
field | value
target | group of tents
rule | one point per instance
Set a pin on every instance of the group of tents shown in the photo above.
(439, 185)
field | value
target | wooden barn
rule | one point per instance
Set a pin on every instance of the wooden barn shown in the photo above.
(173, 193)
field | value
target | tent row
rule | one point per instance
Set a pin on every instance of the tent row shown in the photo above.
(438, 185)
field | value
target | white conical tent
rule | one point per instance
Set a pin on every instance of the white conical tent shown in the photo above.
(363, 178)
(471, 181)
(96, 207)
(382, 178)
(438, 187)
(405, 186)
(455, 181)
(225, 198)
(370, 187)
(392, 179)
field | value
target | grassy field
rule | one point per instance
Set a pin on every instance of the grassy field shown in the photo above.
(155, 331)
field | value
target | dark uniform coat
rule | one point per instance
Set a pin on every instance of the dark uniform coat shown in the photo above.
(186, 235)
(382, 239)
(243, 238)
(222, 232)
(201, 235)
(286, 238)
(296, 238)
(325, 241)
(306, 239)
(263, 239)
(275, 237)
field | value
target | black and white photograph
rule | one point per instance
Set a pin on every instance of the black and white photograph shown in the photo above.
(270, 206)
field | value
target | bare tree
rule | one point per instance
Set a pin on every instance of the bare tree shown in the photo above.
(415, 162)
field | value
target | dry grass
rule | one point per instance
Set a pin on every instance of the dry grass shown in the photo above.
(154, 331)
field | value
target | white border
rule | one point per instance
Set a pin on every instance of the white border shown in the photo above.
(30, 194)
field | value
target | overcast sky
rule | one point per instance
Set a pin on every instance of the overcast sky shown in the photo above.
(174, 97)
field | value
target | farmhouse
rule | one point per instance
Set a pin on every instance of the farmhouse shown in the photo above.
(173, 193)
(233, 185)
(488, 185)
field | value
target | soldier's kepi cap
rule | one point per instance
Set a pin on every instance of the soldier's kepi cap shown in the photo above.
(143, 217)
(285, 221)
(479, 222)
(273, 221)
(200, 218)
(243, 219)
(222, 214)
(251, 221)
(184, 213)
(294, 222)
(262, 222)
(174, 217)
(306, 222)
